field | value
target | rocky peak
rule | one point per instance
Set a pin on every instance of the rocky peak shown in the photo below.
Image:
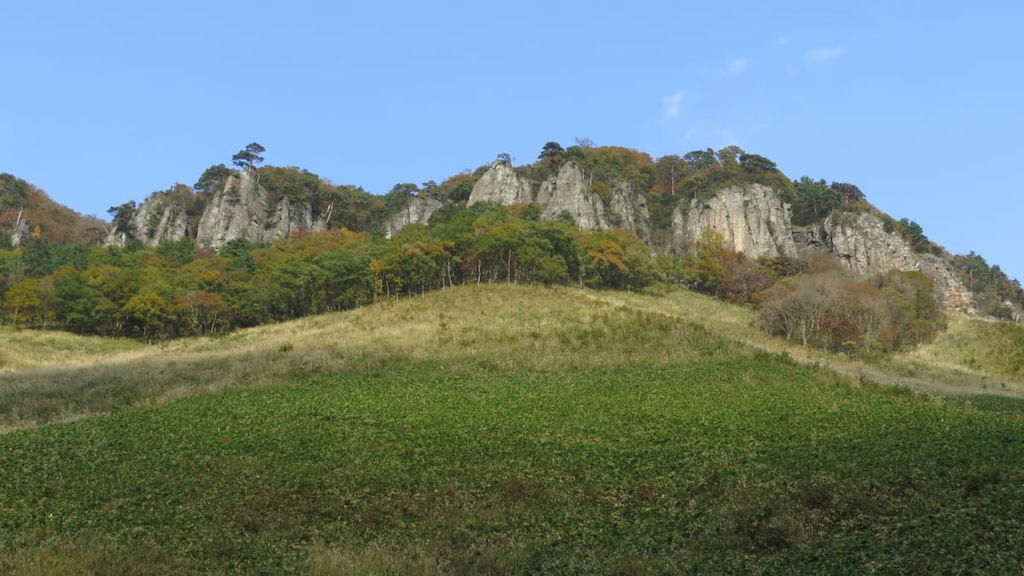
(501, 185)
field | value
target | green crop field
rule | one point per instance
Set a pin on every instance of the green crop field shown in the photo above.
(500, 430)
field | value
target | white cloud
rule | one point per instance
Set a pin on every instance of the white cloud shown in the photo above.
(738, 66)
(822, 54)
(673, 103)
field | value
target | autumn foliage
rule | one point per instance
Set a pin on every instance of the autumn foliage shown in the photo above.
(177, 289)
(52, 279)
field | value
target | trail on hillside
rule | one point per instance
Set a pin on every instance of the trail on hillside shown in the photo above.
(859, 370)
(953, 383)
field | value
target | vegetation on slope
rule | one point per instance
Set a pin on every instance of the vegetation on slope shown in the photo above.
(667, 183)
(176, 290)
(23, 206)
(503, 429)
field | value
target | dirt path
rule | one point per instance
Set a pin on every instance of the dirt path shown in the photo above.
(933, 385)
(939, 380)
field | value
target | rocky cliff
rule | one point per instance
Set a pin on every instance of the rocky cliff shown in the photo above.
(565, 193)
(861, 242)
(19, 231)
(243, 210)
(419, 211)
(501, 185)
(159, 219)
(750, 219)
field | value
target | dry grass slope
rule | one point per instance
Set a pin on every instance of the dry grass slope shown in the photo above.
(54, 377)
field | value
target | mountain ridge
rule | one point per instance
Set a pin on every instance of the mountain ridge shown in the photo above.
(667, 203)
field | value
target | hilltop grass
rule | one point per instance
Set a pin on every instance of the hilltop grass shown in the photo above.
(495, 430)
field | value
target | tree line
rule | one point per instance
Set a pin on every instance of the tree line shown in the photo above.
(177, 289)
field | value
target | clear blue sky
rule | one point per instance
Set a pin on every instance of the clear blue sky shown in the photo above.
(917, 103)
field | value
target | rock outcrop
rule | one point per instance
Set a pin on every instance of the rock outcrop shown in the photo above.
(242, 210)
(629, 211)
(419, 211)
(501, 185)
(159, 219)
(565, 193)
(861, 242)
(750, 219)
(20, 231)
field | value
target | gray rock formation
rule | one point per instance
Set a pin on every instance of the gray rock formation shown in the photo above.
(861, 242)
(955, 294)
(159, 219)
(241, 210)
(751, 220)
(20, 230)
(419, 211)
(565, 193)
(629, 211)
(501, 185)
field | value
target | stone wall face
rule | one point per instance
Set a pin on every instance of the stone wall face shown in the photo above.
(750, 219)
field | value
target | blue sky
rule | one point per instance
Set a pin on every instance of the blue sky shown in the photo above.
(917, 103)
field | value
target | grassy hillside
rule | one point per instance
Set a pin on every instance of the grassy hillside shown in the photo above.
(497, 429)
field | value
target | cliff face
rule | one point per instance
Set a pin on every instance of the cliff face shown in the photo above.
(419, 211)
(564, 193)
(501, 185)
(242, 210)
(751, 220)
(20, 230)
(861, 242)
(159, 219)
(629, 211)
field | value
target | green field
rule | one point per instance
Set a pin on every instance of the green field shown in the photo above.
(500, 430)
